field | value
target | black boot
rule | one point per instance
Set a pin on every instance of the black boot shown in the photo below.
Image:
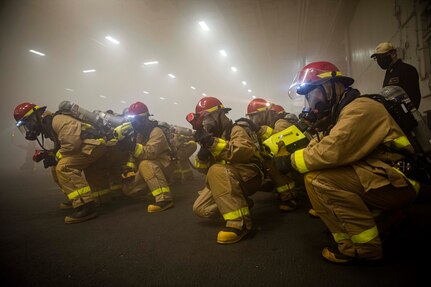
(82, 213)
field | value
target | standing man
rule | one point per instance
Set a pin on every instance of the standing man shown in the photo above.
(398, 73)
(233, 172)
(351, 173)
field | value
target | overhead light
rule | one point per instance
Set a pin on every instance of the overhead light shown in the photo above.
(175, 103)
(193, 88)
(249, 90)
(69, 90)
(102, 96)
(36, 52)
(151, 63)
(172, 76)
(204, 26)
(223, 53)
(203, 94)
(123, 102)
(145, 92)
(113, 40)
(254, 97)
(162, 98)
(244, 83)
(234, 69)
(89, 71)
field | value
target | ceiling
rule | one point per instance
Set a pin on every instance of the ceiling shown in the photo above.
(267, 40)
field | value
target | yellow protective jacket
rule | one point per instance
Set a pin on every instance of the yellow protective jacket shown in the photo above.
(239, 151)
(358, 138)
(155, 148)
(69, 133)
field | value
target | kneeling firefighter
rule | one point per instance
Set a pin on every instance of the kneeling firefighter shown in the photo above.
(149, 149)
(233, 171)
(351, 171)
(78, 155)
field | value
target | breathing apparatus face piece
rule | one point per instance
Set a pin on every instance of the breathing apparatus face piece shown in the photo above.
(138, 121)
(213, 123)
(258, 118)
(318, 102)
(384, 60)
(31, 127)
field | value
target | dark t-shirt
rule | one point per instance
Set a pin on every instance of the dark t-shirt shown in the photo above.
(405, 76)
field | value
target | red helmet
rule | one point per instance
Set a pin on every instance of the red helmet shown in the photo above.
(317, 73)
(208, 105)
(258, 105)
(138, 109)
(277, 108)
(24, 110)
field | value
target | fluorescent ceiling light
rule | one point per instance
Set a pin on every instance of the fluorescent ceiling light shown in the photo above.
(249, 90)
(172, 76)
(193, 88)
(69, 90)
(234, 69)
(204, 26)
(223, 53)
(175, 103)
(123, 102)
(89, 71)
(162, 98)
(244, 83)
(203, 94)
(254, 97)
(113, 40)
(36, 52)
(102, 96)
(145, 92)
(151, 63)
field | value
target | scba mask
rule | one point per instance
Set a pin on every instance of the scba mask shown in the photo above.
(30, 128)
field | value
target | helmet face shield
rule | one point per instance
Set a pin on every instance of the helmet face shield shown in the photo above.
(30, 127)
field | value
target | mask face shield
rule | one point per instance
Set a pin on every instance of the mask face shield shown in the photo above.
(209, 122)
(30, 127)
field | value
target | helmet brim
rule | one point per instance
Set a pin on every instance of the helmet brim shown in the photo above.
(306, 88)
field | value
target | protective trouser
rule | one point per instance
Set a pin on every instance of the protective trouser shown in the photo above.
(340, 201)
(75, 171)
(152, 175)
(183, 171)
(284, 184)
(226, 194)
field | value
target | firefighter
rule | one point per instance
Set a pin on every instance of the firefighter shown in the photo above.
(291, 118)
(266, 121)
(233, 169)
(350, 173)
(79, 155)
(150, 156)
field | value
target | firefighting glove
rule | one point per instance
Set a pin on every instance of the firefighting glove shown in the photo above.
(253, 127)
(204, 154)
(204, 138)
(49, 161)
(126, 144)
(283, 163)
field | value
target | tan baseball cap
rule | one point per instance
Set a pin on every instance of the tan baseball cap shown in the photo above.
(383, 48)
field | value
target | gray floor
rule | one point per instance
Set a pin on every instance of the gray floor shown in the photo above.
(126, 246)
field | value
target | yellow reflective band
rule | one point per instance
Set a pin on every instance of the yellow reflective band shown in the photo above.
(263, 109)
(58, 155)
(365, 236)
(101, 192)
(138, 150)
(267, 134)
(78, 192)
(415, 184)
(160, 190)
(201, 165)
(27, 114)
(214, 108)
(221, 144)
(299, 161)
(131, 164)
(401, 142)
(236, 214)
(116, 187)
(340, 236)
(285, 187)
(328, 74)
